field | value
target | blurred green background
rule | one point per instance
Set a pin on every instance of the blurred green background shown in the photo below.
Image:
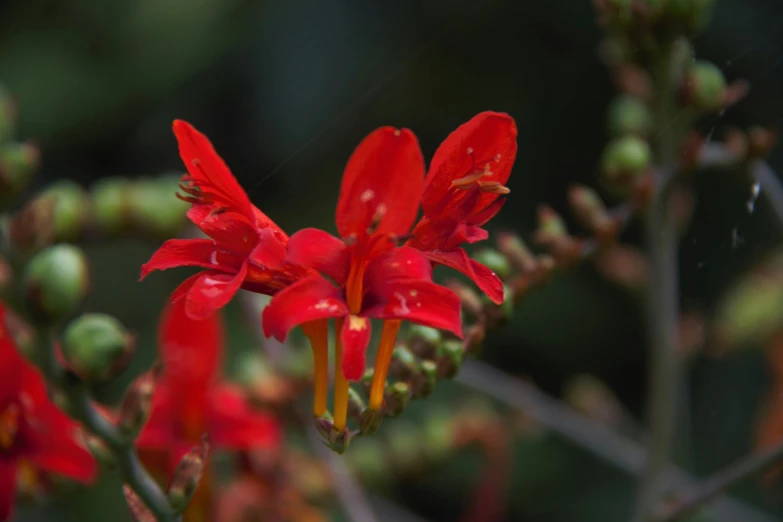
(286, 90)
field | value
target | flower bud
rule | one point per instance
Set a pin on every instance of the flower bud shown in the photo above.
(100, 451)
(109, 198)
(624, 159)
(56, 281)
(138, 509)
(6, 276)
(629, 115)
(154, 210)
(370, 421)
(338, 441)
(396, 398)
(469, 299)
(516, 251)
(187, 475)
(18, 163)
(705, 87)
(423, 382)
(591, 212)
(450, 356)
(495, 261)
(135, 407)
(691, 15)
(70, 210)
(498, 315)
(593, 398)
(97, 346)
(403, 362)
(423, 340)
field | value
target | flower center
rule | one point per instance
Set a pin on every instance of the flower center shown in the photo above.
(476, 173)
(9, 426)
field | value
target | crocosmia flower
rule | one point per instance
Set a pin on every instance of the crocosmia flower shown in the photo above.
(246, 249)
(463, 190)
(190, 400)
(33, 431)
(369, 275)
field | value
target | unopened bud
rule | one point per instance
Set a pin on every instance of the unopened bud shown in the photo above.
(624, 266)
(6, 276)
(423, 382)
(70, 210)
(324, 424)
(516, 251)
(135, 407)
(591, 212)
(470, 300)
(475, 335)
(423, 340)
(97, 346)
(403, 362)
(56, 281)
(23, 334)
(110, 205)
(495, 261)
(501, 314)
(100, 451)
(18, 163)
(550, 224)
(187, 475)
(705, 87)
(338, 441)
(629, 115)
(691, 15)
(370, 421)
(624, 159)
(138, 509)
(396, 398)
(761, 141)
(154, 210)
(450, 356)
(593, 398)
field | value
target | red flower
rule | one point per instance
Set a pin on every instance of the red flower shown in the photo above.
(247, 249)
(32, 429)
(189, 399)
(374, 278)
(462, 192)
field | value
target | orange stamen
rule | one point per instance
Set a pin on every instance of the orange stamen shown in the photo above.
(9, 425)
(468, 180)
(494, 187)
(340, 382)
(318, 334)
(382, 360)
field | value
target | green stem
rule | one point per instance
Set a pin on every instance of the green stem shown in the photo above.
(692, 499)
(130, 468)
(661, 238)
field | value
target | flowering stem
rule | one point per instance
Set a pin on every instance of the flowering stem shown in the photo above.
(130, 468)
(691, 499)
(592, 436)
(662, 296)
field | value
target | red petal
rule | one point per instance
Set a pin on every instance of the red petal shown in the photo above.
(159, 431)
(400, 263)
(7, 488)
(12, 362)
(182, 290)
(232, 230)
(270, 251)
(191, 252)
(190, 349)
(306, 300)
(474, 143)
(481, 217)
(212, 291)
(484, 278)
(209, 171)
(320, 251)
(234, 424)
(383, 179)
(464, 233)
(422, 302)
(355, 337)
(61, 454)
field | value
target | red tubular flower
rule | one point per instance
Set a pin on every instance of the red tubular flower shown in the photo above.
(462, 192)
(374, 278)
(32, 429)
(190, 401)
(246, 249)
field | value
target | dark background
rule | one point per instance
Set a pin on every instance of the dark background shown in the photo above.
(287, 89)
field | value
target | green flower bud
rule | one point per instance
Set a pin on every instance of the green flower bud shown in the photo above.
(154, 208)
(495, 261)
(56, 280)
(706, 88)
(370, 421)
(423, 340)
(424, 381)
(187, 475)
(70, 210)
(625, 157)
(629, 115)
(109, 205)
(97, 346)
(396, 398)
(8, 115)
(450, 356)
(18, 163)
(135, 406)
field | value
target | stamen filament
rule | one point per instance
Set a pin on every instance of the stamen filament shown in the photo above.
(382, 360)
(340, 382)
(318, 334)
(353, 286)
